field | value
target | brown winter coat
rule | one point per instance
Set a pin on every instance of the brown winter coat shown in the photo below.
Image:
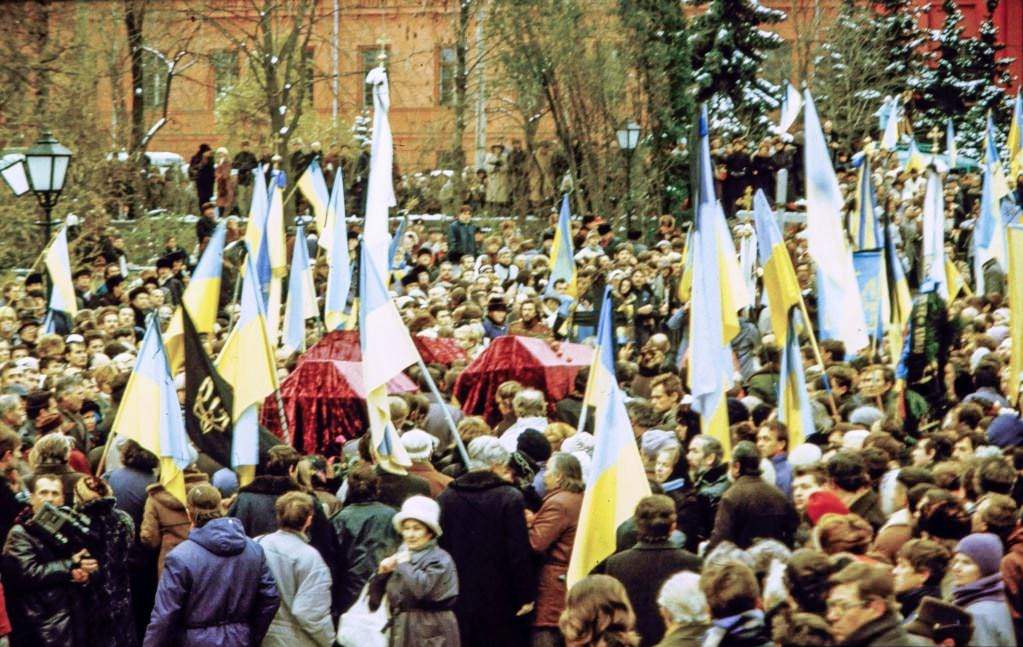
(1012, 572)
(164, 521)
(429, 473)
(552, 535)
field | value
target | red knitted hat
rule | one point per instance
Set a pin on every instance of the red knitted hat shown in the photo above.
(821, 503)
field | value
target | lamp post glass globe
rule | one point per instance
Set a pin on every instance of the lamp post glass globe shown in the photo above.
(47, 162)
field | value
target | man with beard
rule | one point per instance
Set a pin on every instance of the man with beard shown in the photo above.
(529, 323)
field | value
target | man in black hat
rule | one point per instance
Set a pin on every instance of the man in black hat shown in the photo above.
(495, 323)
(166, 279)
(946, 624)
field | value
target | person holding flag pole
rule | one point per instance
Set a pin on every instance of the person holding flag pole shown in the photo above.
(617, 480)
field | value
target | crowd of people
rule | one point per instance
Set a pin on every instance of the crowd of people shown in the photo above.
(895, 523)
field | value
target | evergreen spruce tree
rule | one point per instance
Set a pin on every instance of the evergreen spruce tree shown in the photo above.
(963, 78)
(728, 49)
(659, 44)
(898, 29)
(992, 73)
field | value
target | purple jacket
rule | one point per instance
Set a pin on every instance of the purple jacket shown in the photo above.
(216, 590)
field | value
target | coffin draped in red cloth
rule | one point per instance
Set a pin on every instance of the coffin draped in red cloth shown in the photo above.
(551, 368)
(324, 404)
(344, 345)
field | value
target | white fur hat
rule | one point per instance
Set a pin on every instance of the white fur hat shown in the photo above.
(422, 509)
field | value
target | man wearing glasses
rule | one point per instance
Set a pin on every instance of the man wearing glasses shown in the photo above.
(861, 607)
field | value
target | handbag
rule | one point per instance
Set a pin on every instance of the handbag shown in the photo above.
(361, 627)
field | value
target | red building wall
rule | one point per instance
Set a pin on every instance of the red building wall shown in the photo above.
(1008, 17)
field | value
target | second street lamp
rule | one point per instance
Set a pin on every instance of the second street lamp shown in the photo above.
(628, 140)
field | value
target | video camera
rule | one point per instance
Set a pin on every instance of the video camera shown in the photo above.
(65, 527)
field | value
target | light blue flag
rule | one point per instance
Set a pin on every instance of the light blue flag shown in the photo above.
(869, 267)
(339, 262)
(989, 232)
(934, 234)
(301, 303)
(562, 254)
(951, 149)
(392, 251)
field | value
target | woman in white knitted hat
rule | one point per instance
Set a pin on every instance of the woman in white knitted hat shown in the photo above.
(420, 579)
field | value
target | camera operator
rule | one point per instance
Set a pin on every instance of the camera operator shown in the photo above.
(43, 577)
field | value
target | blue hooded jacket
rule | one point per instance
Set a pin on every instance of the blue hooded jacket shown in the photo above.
(216, 590)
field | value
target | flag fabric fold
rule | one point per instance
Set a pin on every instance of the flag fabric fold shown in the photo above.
(779, 278)
(150, 415)
(562, 261)
(387, 347)
(793, 399)
(58, 265)
(864, 224)
(989, 231)
(201, 298)
(1015, 288)
(301, 304)
(1015, 143)
(313, 186)
(712, 320)
(841, 314)
(934, 234)
(247, 363)
(616, 481)
(339, 262)
(791, 104)
(951, 149)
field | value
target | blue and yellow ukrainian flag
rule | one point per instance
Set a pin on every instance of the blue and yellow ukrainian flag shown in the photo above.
(562, 261)
(254, 230)
(617, 480)
(301, 304)
(201, 297)
(1015, 142)
(247, 363)
(314, 187)
(387, 347)
(898, 300)
(989, 231)
(780, 284)
(58, 266)
(150, 415)
(793, 400)
(1015, 287)
(993, 163)
(863, 225)
(712, 319)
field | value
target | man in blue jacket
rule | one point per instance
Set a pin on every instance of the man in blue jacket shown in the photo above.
(216, 589)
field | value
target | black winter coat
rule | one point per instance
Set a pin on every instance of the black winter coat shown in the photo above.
(484, 526)
(107, 596)
(43, 603)
(699, 504)
(753, 508)
(643, 569)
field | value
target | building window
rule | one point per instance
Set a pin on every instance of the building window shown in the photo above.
(154, 74)
(370, 58)
(446, 75)
(225, 70)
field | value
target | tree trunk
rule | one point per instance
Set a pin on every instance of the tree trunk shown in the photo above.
(461, 89)
(134, 18)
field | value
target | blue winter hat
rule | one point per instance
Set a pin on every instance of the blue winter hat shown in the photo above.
(983, 548)
(1006, 430)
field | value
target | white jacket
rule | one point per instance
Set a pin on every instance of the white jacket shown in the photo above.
(303, 581)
